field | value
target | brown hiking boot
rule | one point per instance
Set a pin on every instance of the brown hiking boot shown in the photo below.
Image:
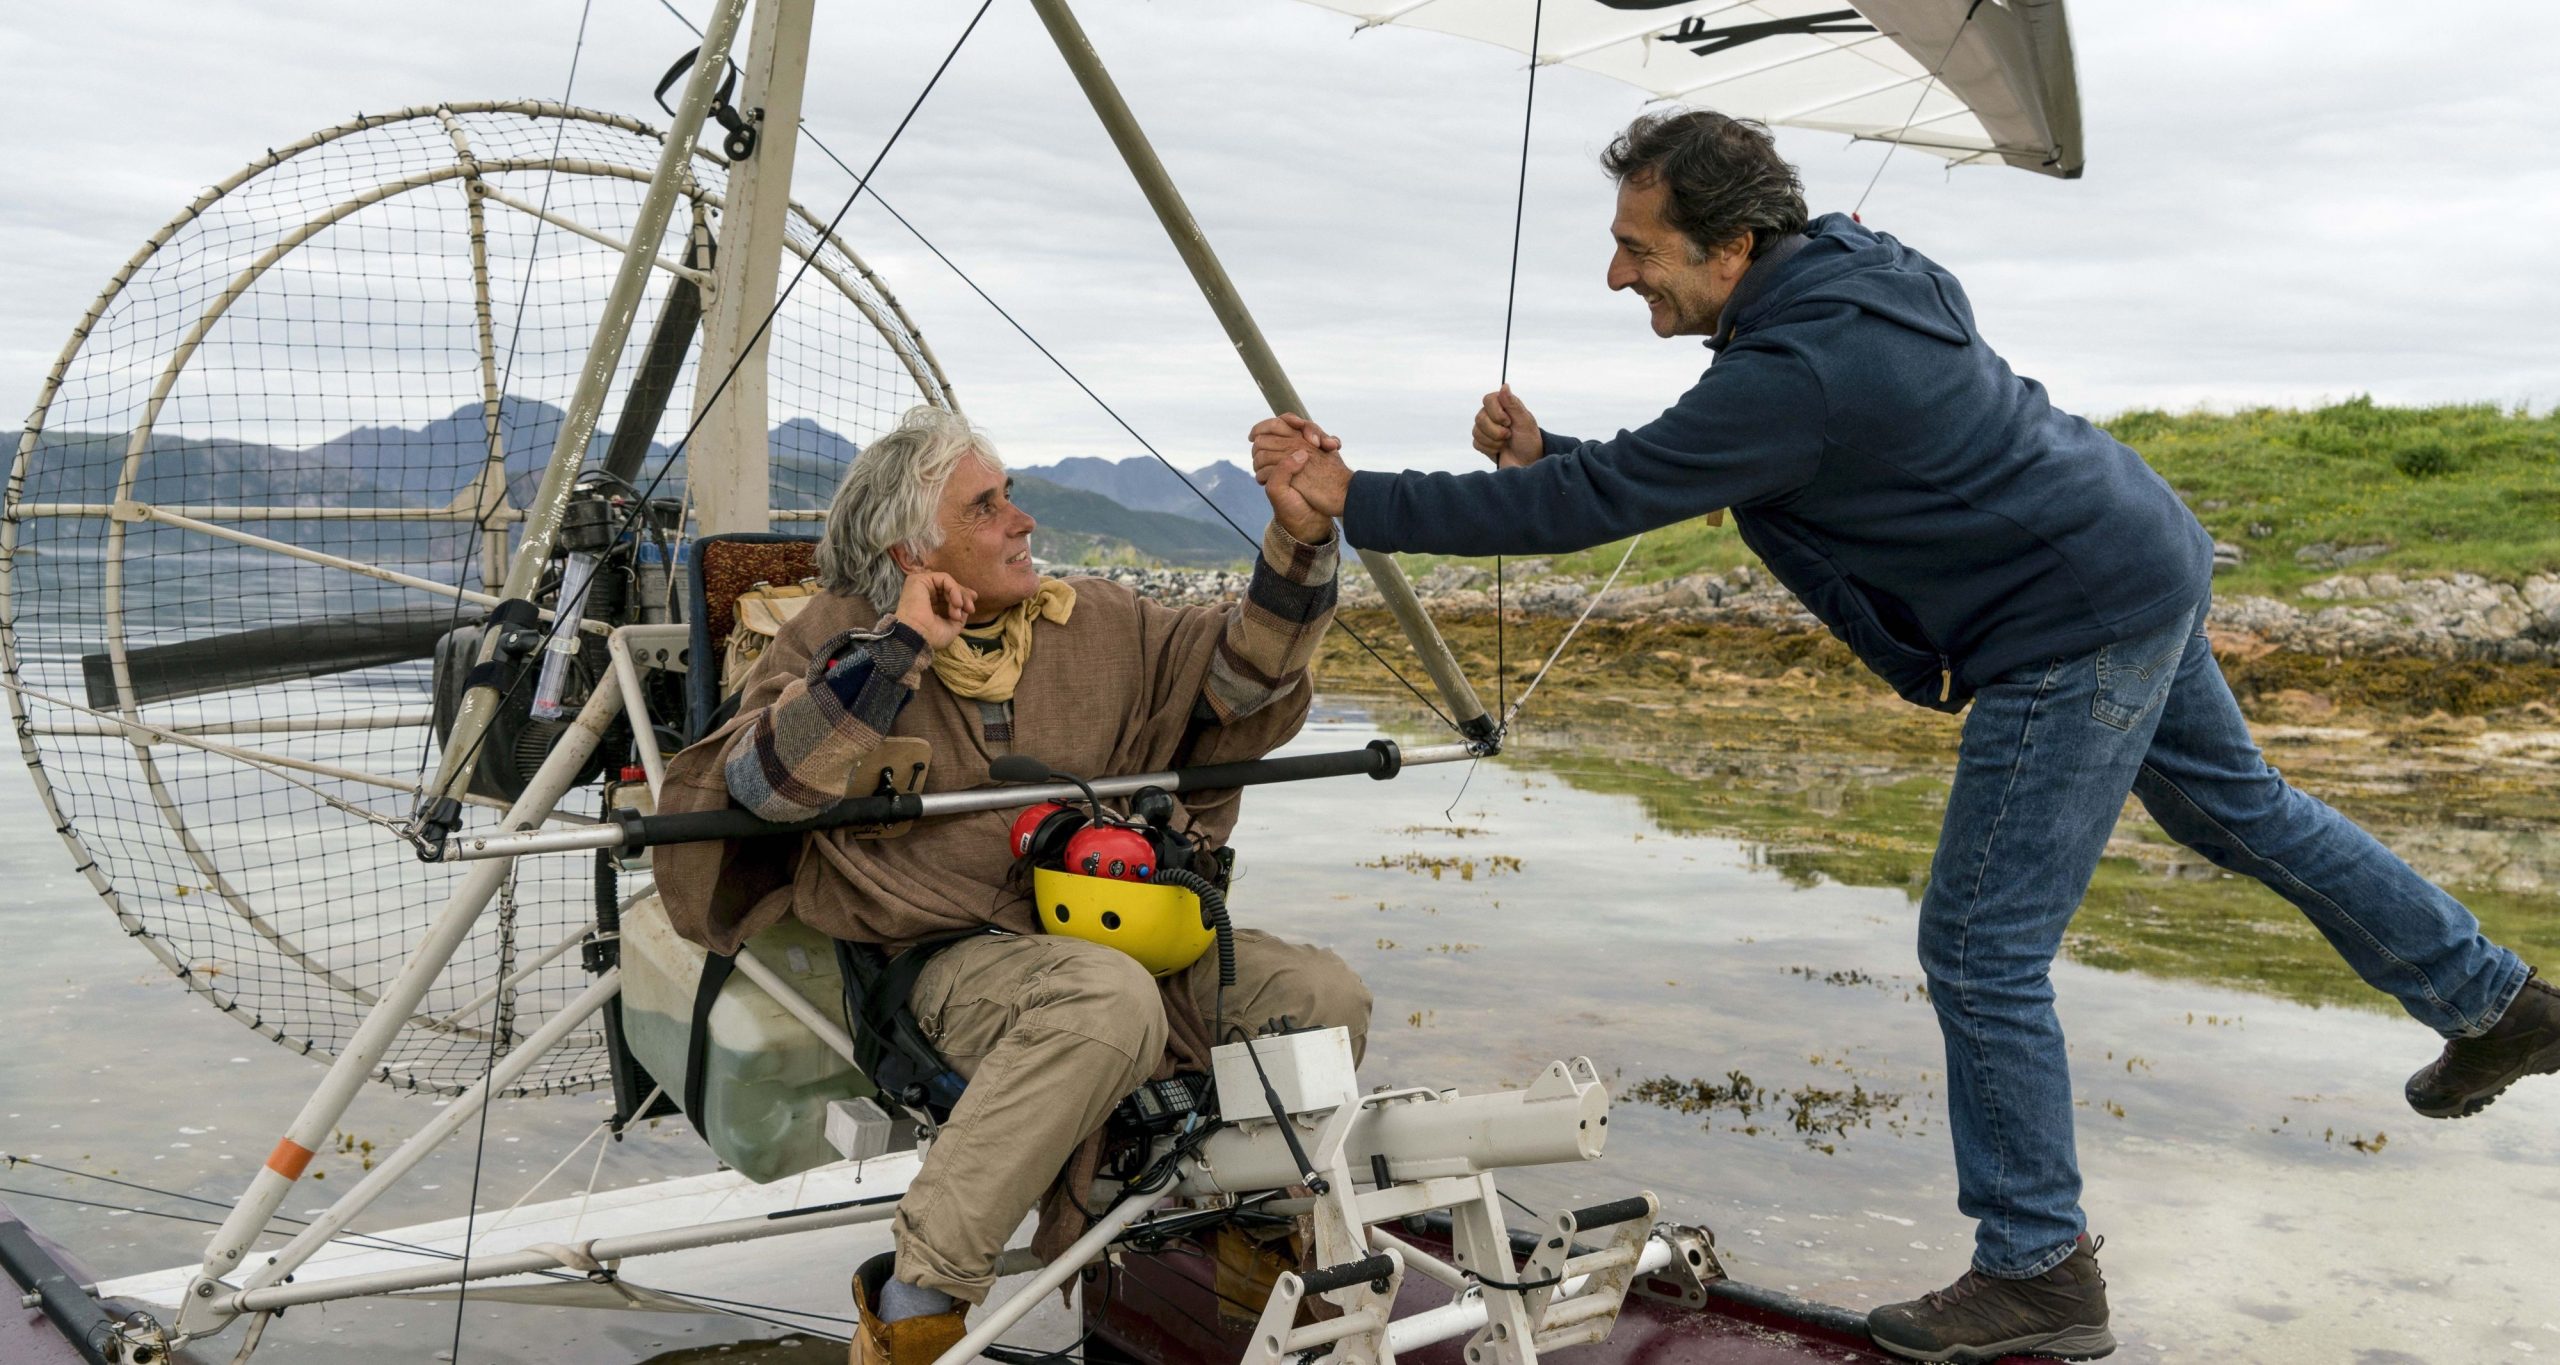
(2471, 1072)
(2060, 1313)
(908, 1341)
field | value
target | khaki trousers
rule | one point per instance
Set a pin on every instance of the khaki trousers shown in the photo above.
(1051, 1033)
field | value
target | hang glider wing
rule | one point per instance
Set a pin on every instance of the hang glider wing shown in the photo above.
(2003, 88)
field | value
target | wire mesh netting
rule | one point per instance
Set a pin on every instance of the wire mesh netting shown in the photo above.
(345, 351)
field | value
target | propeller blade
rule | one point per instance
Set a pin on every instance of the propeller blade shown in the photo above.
(272, 654)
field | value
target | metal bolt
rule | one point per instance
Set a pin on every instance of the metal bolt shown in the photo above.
(31, 1300)
(205, 1290)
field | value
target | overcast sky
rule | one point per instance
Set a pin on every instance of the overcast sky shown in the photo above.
(2284, 202)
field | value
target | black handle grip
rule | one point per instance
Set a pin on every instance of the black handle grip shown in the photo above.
(1349, 1273)
(1380, 758)
(708, 825)
(1019, 768)
(1614, 1212)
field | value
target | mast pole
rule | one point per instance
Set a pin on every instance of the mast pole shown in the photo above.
(1104, 95)
(438, 808)
(728, 465)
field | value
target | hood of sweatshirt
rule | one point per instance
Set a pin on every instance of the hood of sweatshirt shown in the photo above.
(1838, 260)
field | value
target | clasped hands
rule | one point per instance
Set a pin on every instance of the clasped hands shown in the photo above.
(1300, 468)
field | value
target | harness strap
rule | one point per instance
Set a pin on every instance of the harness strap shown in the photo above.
(716, 969)
(888, 1045)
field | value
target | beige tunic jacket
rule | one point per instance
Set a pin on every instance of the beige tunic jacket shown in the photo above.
(1111, 691)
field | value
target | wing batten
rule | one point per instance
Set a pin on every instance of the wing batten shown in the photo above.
(1995, 77)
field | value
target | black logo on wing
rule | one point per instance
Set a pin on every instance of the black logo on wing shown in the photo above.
(1694, 34)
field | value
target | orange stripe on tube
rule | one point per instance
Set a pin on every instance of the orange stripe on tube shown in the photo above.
(288, 1159)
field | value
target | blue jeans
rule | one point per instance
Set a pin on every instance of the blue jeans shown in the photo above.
(2049, 753)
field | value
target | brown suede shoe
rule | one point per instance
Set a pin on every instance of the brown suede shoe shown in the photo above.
(908, 1341)
(2060, 1313)
(2471, 1072)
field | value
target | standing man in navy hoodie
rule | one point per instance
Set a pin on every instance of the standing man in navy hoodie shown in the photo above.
(1974, 545)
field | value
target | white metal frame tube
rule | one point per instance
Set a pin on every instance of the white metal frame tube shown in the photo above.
(635, 701)
(729, 467)
(1469, 1313)
(199, 1314)
(1224, 300)
(795, 1004)
(604, 356)
(603, 1249)
(446, 1123)
(568, 224)
(483, 846)
(1051, 1276)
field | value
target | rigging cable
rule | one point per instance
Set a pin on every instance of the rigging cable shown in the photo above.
(703, 410)
(1587, 609)
(1510, 309)
(1895, 144)
(369, 1241)
(1510, 306)
(863, 186)
(515, 336)
(480, 1144)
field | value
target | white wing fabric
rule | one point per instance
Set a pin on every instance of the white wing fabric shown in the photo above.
(1974, 81)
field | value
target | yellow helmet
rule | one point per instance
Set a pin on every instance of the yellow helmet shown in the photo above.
(1161, 926)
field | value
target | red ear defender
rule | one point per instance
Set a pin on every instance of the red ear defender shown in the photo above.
(1041, 832)
(1112, 851)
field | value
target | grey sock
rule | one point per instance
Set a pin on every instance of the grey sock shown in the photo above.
(900, 1300)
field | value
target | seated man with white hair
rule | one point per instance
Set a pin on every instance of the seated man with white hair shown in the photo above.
(935, 625)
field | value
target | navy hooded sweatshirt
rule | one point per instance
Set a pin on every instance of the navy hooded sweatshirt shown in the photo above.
(1927, 504)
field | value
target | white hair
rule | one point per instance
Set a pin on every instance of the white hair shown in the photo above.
(891, 498)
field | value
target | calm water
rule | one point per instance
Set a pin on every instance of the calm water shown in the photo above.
(1718, 910)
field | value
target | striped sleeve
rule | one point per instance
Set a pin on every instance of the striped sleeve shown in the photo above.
(1272, 634)
(793, 759)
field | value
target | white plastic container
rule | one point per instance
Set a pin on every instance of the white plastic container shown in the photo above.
(768, 1077)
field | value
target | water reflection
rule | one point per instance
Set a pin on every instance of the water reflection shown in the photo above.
(1717, 906)
(2465, 806)
(1714, 901)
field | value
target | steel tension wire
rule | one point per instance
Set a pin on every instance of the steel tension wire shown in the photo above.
(640, 505)
(1510, 305)
(1001, 311)
(1113, 413)
(1926, 86)
(515, 336)
(864, 187)
(702, 412)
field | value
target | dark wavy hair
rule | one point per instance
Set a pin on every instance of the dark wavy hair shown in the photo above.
(1723, 176)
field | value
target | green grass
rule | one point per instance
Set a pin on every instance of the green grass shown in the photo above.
(2471, 487)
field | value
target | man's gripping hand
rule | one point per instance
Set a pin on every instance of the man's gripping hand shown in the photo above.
(1505, 433)
(1300, 469)
(935, 606)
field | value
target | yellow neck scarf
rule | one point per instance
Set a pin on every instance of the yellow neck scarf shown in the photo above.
(991, 675)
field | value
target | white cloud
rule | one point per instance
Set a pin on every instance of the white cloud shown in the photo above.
(2284, 202)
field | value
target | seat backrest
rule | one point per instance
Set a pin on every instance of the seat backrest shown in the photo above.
(722, 567)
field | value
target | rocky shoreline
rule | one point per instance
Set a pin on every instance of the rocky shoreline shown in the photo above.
(2367, 616)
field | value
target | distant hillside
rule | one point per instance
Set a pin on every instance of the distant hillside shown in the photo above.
(2412, 491)
(430, 465)
(1077, 525)
(1142, 484)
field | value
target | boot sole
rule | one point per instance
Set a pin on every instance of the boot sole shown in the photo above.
(2073, 1343)
(2546, 1064)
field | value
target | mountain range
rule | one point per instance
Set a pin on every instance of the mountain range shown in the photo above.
(1087, 507)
